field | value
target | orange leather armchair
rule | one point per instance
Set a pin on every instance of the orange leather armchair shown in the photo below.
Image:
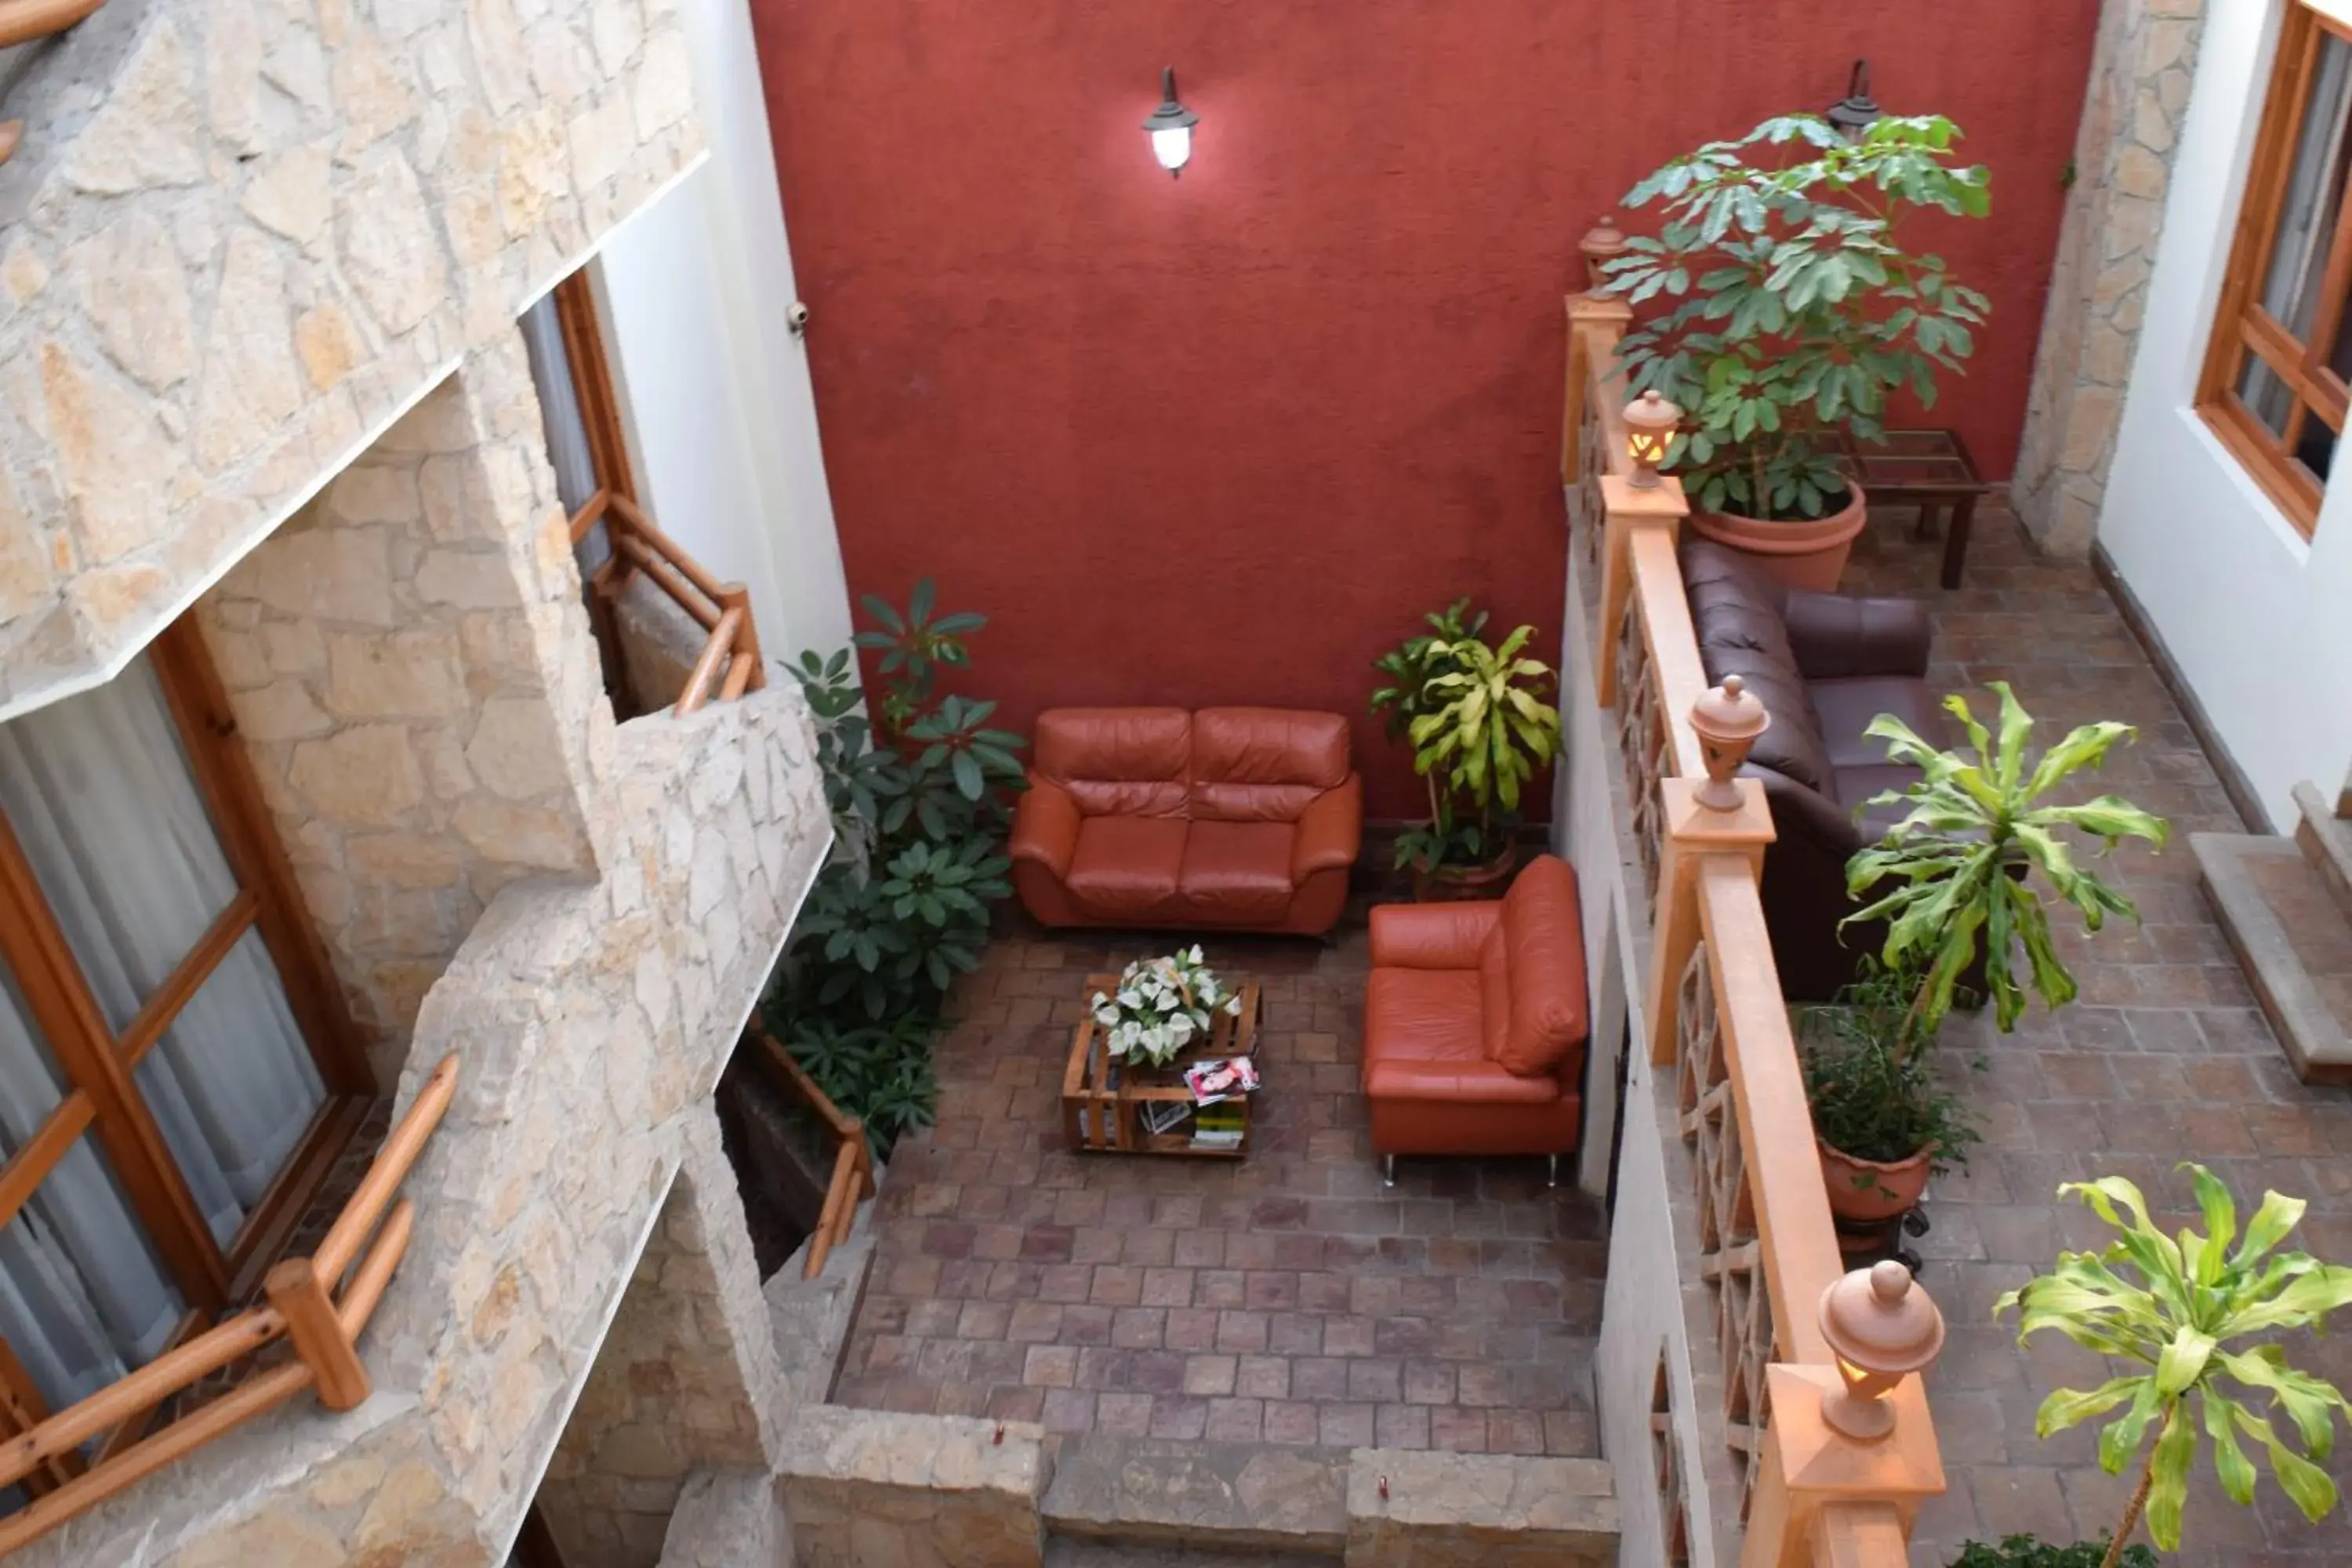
(1228, 819)
(1474, 1023)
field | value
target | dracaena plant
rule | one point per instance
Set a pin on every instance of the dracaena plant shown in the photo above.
(1982, 837)
(1788, 313)
(1482, 731)
(2182, 1310)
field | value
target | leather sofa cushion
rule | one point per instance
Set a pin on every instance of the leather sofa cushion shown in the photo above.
(1858, 763)
(1127, 868)
(1542, 934)
(1263, 764)
(1123, 762)
(1236, 873)
(1422, 1041)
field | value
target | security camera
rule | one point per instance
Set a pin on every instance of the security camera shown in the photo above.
(796, 317)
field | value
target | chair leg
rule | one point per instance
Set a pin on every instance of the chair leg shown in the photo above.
(1551, 1170)
(1388, 1170)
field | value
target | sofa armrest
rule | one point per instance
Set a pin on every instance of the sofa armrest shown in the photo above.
(1835, 634)
(1330, 831)
(1046, 826)
(1431, 936)
(1473, 1083)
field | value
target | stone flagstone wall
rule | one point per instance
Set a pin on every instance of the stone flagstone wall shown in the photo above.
(241, 235)
(687, 1379)
(2140, 73)
(410, 666)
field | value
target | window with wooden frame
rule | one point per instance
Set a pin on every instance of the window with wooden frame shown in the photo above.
(2276, 377)
(177, 1072)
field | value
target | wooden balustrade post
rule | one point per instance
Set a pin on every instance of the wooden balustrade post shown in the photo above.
(1693, 832)
(1823, 1497)
(1594, 325)
(1626, 509)
(294, 1289)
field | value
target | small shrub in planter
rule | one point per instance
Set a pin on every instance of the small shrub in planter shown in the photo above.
(2028, 1551)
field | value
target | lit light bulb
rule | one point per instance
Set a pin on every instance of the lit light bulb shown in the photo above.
(1172, 147)
(1171, 126)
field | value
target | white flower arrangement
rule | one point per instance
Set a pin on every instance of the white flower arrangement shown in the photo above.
(1162, 1005)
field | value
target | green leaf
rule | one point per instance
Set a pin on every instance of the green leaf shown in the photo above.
(2176, 1446)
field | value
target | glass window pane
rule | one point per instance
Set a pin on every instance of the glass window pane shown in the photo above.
(2315, 449)
(2265, 394)
(233, 1086)
(83, 1297)
(559, 404)
(2315, 192)
(103, 801)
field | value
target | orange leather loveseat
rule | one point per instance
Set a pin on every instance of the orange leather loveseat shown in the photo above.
(1474, 1023)
(1227, 819)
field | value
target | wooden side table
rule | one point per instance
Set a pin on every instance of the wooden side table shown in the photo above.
(1932, 470)
(1103, 1116)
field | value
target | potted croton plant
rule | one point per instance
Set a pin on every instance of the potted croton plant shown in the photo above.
(1781, 315)
(1479, 730)
(1963, 882)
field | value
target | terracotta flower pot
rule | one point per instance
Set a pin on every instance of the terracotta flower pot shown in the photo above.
(1867, 1192)
(1459, 884)
(1810, 555)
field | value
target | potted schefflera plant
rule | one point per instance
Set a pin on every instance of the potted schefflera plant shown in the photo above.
(1963, 883)
(1776, 308)
(1479, 730)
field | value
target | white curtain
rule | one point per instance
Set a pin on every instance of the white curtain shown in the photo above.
(567, 431)
(100, 796)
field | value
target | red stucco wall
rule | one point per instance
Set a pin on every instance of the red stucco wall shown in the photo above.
(1222, 438)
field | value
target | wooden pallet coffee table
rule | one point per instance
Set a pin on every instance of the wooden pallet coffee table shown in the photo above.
(1103, 1116)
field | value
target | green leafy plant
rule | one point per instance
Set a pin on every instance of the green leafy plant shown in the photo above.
(1965, 860)
(1795, 313)
(920, 801)
(2026, 1551)
(1412, 664)
(1870, 1077)
(1478, 730)
(2180, 1307)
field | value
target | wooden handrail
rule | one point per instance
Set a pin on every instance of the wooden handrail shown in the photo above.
(644, 528)
(1672, 641)
(388, 1169)
(715, 654)
(853, 1162)
(323, 1332)
(666, 577)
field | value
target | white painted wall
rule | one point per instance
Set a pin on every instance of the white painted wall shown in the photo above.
(722, 423)
(2258, 618)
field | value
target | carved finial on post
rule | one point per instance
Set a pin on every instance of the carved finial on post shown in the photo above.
(1602, 242)
(1882, 1328)
(1727, 720)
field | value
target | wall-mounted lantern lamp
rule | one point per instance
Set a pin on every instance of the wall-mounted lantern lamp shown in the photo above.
(1858, 112)
(1172, 127)
(1650, 425)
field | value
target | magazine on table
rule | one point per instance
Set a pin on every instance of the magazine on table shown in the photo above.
(1162, 1115)
(1224, 1079)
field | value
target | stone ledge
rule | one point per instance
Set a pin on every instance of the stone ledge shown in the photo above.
(1478, 1510)
(1230, 1496)
(877, 1488)
(728, 1518)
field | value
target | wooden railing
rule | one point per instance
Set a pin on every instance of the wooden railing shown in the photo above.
(1768, 1250)
(320, 1323)
(731, 663)
(853, 1159)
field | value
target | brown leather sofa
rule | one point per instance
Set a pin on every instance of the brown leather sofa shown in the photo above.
(1824, 665)
(1474, 1023)
(1227, 819)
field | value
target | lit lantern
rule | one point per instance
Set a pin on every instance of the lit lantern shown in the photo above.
(1882, 1328)
(1650, 425)
(1172, 127)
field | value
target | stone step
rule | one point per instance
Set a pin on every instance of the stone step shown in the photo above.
(2292, 941)
(2326, 840)
(1227, 1497)
(1067, 1552)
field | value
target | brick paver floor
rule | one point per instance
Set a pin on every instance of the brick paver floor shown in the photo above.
(2165, 1058)
(1288, 1297)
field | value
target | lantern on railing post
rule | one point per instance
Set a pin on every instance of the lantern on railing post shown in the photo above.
(1602, 244)
(1727, 720)
(1882, 1328)
(1650, 425)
